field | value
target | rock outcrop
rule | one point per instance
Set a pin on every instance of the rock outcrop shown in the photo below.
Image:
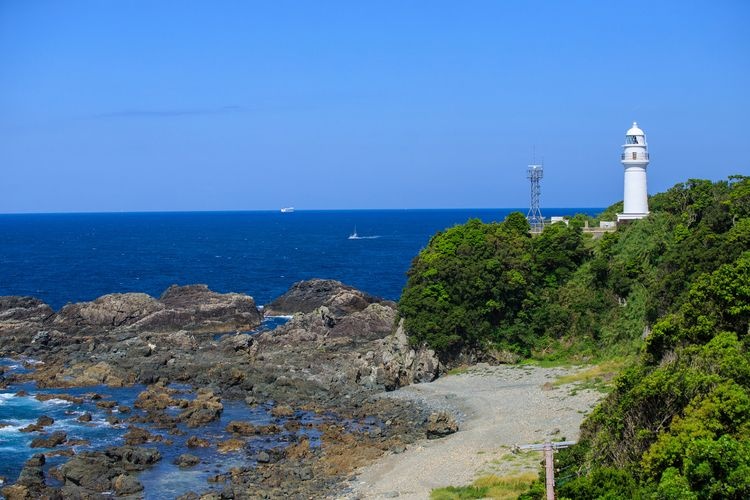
(329, 348)
(27, 325)
(403, 364)
(440, 424)
(306, 296)
(21, 318)
(340, 349)
(106, 312)
(196, 308)
(120, 339)
(192, 307)
(23, 309)
(89, 474)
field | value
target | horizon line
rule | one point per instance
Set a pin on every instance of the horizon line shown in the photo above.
(262, 210)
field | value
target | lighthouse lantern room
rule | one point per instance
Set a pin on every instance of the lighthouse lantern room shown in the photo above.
(635, 160)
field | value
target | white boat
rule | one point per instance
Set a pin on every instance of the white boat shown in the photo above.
(287, 210)
(355, 236)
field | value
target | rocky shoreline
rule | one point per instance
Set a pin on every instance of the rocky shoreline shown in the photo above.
(340, 349)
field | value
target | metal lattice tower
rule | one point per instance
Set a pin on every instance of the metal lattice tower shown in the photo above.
(535, 173)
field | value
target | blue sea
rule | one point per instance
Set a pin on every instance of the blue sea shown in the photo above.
(63, 258)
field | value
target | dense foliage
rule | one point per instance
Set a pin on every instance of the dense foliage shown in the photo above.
(673, 288)
(676, 424)
(474, 284)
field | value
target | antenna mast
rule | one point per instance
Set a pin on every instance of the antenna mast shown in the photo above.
(535, 173)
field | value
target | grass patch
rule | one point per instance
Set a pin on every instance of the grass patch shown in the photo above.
(546, 363)
(458, 370)
(495, 487)
(598, 377)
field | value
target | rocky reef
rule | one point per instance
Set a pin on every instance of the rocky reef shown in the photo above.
(340, 349)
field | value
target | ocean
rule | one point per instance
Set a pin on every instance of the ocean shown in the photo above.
(65, 258)
(61, 258)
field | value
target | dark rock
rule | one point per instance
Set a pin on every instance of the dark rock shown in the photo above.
(86, 417)
(304, 473)
(440, 424)
(65, 397)
(90, 470)
(282, 411)
(134, 458)
(196, 442)
(78, 442)
(268, 429)
(154, 398)
(336, 356)
(47, 339)
(137, 435)
(190, 495)
(44, 420)
(306, 296)
(108, 311)
(40, 424)
(241, 428)
(17, 492)
(32, 474)
(229, 445)
(292, 425)
(125, 484)
(29, 309)
(402, 365)
(186, 460)
(54, 439)
(192, 307)
(236, 343)
(205, 408)
(195, 307)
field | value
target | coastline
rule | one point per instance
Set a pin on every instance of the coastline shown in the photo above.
(499, 407)
(264, 413)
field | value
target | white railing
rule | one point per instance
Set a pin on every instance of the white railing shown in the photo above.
(634, 156)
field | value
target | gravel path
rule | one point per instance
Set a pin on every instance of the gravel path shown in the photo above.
(497, 407)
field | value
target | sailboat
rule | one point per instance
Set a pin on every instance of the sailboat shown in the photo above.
(354, 235)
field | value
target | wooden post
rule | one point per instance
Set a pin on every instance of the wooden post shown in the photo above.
(550, 471)
(549, 462)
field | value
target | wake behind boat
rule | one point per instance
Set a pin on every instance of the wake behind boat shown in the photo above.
(355, 236)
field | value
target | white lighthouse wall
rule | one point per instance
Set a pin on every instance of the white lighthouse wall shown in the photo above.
(635, 199)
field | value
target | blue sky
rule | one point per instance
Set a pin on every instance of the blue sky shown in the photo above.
(187, 105)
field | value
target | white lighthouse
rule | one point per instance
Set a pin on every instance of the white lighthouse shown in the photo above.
(635, 160)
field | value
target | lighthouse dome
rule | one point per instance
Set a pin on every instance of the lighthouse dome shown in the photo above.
(634, 130)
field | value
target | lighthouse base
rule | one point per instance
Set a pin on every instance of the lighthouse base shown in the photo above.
(631, 216)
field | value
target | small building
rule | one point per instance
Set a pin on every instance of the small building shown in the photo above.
(607, 224)
(557, 218)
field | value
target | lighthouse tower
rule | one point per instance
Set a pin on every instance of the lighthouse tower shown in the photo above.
(635, 160)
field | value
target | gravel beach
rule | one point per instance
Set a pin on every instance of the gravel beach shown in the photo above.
(497, 407)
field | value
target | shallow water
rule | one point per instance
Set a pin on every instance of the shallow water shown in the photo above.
(164, 479)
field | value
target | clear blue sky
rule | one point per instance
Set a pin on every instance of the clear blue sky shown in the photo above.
(214, 105)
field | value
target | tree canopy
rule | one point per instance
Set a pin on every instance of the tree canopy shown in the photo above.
(671, 290)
